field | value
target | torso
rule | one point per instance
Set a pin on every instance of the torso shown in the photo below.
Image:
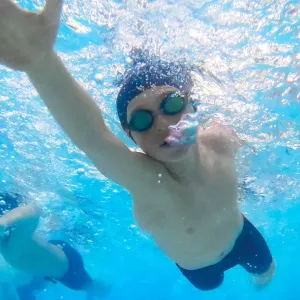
(195, 224)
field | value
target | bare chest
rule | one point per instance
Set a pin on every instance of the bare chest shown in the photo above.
(193, 223)
(187, 209)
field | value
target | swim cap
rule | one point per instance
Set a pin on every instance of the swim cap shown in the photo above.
(146, 72)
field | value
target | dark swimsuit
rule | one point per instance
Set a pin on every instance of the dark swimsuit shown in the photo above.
(250, 251)
(77, 277)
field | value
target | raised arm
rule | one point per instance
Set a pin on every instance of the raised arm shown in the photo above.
(81, 119)
(26, 43)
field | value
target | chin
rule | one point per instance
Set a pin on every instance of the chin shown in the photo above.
(171, 154)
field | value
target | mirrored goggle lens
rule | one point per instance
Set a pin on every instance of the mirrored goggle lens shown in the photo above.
(173, 104)
(141, 121)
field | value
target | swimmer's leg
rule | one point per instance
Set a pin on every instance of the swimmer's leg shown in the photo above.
(256, 257)
(22, 220)
(262, 280)
(24, 250)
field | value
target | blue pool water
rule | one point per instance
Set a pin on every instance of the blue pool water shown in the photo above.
(252, 47)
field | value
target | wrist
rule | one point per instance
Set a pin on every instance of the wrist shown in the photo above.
(42, 64)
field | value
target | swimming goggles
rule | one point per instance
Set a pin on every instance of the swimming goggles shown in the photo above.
(142, 120)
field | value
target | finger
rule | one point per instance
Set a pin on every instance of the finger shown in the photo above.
(52, 10)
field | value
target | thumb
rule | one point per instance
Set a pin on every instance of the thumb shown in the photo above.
(52, 10)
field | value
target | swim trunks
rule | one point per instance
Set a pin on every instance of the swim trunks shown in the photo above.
(250, 251)
(77, 277)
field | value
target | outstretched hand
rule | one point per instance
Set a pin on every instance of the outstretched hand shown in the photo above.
(26, 37)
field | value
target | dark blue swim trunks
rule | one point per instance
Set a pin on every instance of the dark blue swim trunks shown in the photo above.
(77, 277)
(250, 251)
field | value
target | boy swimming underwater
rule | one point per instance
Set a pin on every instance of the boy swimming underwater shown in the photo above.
(185, 196)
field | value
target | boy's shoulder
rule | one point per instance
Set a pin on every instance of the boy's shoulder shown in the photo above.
(219, 138)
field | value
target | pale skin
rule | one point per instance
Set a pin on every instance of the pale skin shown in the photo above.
(26, 251)
(185, 197)
(22, 242)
